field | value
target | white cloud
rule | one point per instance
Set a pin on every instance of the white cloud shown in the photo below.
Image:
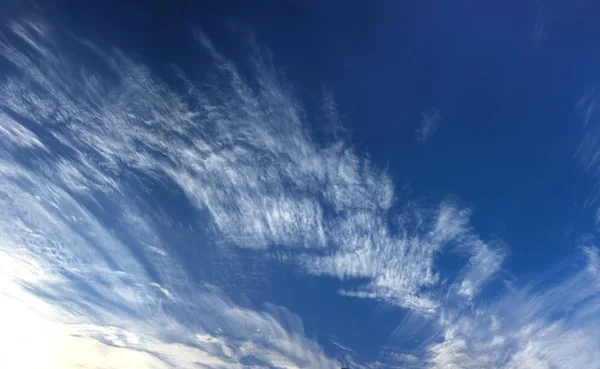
(406, 359)
(588, 150)
(240, 151)
(15, 134)
(553, 325)
(484, 263)
(73, 293)
(400, 265)
(587, 107)
(430, 121)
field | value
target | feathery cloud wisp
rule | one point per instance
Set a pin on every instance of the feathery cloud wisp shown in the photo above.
(532, 327)
(73, 289)
(238, 150)
(430, 121)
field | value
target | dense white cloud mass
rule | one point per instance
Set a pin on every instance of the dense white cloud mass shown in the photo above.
(75, 134)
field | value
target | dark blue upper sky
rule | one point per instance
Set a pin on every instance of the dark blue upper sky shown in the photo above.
(505, 77)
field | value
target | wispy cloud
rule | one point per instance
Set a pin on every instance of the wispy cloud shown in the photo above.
(549, 325)
(430, 120)
(76, 136)
(539, 34)
(400, 264)
(239, 149)
(77, 292)
(68, 280)
(587, 152)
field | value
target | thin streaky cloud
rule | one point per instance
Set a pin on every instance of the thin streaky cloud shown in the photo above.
(239, 150)
(68, 278)
(523, 329)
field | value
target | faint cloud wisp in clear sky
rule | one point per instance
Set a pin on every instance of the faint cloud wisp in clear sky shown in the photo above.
(429, 125)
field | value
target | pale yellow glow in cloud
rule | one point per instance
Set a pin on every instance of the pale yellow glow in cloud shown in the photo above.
(30, 341)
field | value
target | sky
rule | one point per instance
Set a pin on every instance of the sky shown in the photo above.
(299, 184)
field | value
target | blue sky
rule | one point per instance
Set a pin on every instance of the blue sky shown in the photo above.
(299, 185)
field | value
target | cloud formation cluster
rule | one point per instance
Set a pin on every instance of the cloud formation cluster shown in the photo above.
(239, 149)
(76, 135)
(75, 292)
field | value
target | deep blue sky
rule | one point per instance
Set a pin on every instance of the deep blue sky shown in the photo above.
(504, 76)
(505, 79)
